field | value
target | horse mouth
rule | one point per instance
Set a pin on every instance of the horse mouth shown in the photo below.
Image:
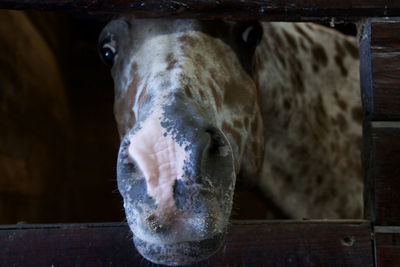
(181, 253)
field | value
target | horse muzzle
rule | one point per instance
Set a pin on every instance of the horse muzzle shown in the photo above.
(177, 182)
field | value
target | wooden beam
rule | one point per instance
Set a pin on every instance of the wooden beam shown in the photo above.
(387, 242)
(380, 69)
(380, 84)
(274, 243)
(289, 10)
(385, 171)
(381, 163)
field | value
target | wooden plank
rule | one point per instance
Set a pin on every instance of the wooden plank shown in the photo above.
(366, 97)
(289, 10)
(387, 243)
(385, 55)
(274, 243)
(384, 172)
(380, 61)
(380, 86)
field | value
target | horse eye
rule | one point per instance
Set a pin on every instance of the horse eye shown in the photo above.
(108, 54)
(252, 35)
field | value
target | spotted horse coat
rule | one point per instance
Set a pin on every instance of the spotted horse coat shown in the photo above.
(200, 104)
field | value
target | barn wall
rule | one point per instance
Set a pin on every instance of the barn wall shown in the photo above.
(33, 121)
(93, 187)
(58, 141)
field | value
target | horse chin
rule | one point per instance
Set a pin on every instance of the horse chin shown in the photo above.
(181, 253)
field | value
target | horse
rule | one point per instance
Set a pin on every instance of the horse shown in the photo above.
(200, 105)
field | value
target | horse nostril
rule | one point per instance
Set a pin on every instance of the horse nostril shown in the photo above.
(217, 144)
(212, 146)
(126, 163)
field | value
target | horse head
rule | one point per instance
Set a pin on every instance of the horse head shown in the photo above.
(188, 115)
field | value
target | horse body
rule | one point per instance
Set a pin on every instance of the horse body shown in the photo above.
(309, 81)
(195, 111)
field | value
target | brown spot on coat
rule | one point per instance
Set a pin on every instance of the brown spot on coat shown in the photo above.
(295, 64)
(202, 95)
(188, 92)
(256, 126)
(322, 198)
(215, 94)
(171, 61)
(257, 147)
(124, 104)
(299, 152)
(303, 45)
(339, 49)
(304, 170)
(291, 41)
(319, 179)
(308, 190)
(281, 173)
(199, 60)
(213, 72)
(238, 124)
(341, 122)
(169, 57)
(352, 48)
(235, 94)
(246, 122)
(333, 145)
(275, 36)
(339, 57)
(187, 40)
(321, 126)
(357, 114)
(303, 33)
(303, 129)
(144, 97)
(319, 55)
(297, 82)
(287, 122)
(287, 104)
(281, 59)
(339, 62)
(319, 107)
(228, 129)
(341, 103)
(315, 68)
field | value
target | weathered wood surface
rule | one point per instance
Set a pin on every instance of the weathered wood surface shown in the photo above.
(387, 242)
(385, 57)
(231, 9)
(380, 82)
(291, 243)
(385, 171)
